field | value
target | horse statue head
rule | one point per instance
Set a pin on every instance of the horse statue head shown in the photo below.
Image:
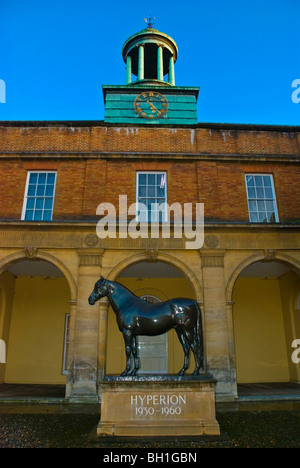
(101, 289)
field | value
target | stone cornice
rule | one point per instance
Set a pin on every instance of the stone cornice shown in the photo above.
(101, 123)
(133, 155)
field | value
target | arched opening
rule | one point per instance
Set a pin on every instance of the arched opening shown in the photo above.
(34, 315)
(265, 323)
(157, 281)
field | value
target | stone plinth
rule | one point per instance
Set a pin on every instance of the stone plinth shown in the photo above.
(155, 406)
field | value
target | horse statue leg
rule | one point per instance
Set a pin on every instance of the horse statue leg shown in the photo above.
(127, 339)
(135, 357)
(196, 347)
(130, 349)
(186, 349)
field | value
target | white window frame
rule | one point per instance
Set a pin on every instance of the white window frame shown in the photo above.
(26, 194)
(276, 217)
(146, 339)
(66, 343)
(161, 173)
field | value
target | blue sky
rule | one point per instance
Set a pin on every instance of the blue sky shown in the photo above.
(243, 54)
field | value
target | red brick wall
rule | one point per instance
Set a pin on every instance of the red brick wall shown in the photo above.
(64, 138)
(82, 185)
(91, 167)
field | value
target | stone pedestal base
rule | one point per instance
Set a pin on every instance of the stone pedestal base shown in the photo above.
(158, 406)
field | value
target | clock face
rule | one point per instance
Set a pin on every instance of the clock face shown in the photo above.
(151, 105)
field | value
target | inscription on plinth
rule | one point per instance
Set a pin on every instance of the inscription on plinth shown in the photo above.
(150, 407)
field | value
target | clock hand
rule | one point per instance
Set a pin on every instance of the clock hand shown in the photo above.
(152, 106)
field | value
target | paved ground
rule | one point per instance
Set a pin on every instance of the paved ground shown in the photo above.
(68, 426)
(268, 421)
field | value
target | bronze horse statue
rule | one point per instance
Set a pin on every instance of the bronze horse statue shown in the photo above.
(135, 317)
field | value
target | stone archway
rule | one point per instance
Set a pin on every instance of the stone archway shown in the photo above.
(34, 320)
(261, 289)
(164, 278)
(154, 257)
(31, 253)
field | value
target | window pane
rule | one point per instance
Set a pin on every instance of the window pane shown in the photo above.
(251, 193)
(268, 192)
(267, 181)
(38, 215)
(269, 206)
(49, 190)
(40, 191)
(151, 191)
(151, 203)
(258, 181)
(31, 190)
(253, 217)
(161, 192)
(42, 178)
(50, 179)
(151, 179)
(143, 216)
(262, 217)
(260, 192)
(30, 203)
(39, 204)
(47, 215)
(141, 204)
(33, 178)
(29, 215)
(161, 180)
(142, 191)
(48, 203)
(261, 205)
(252, 205)
(250, 180)
(142, 179)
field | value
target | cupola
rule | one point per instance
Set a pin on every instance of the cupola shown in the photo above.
(150, 56)
(150, 96)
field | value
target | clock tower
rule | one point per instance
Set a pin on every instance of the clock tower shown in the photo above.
(150, 95)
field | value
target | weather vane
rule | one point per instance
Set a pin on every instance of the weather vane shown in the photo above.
(150, 22)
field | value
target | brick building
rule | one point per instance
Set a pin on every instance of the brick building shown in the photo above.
(245, 277)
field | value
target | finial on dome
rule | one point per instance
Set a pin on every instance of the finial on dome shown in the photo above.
(150, 22)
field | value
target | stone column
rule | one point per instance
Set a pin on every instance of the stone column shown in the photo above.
(85, 365)
(160, 65)
(216, 326)
(103, 317)
(141, 62)
(128, 69)
(171, 71)
(70, 355)
(231, 344)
